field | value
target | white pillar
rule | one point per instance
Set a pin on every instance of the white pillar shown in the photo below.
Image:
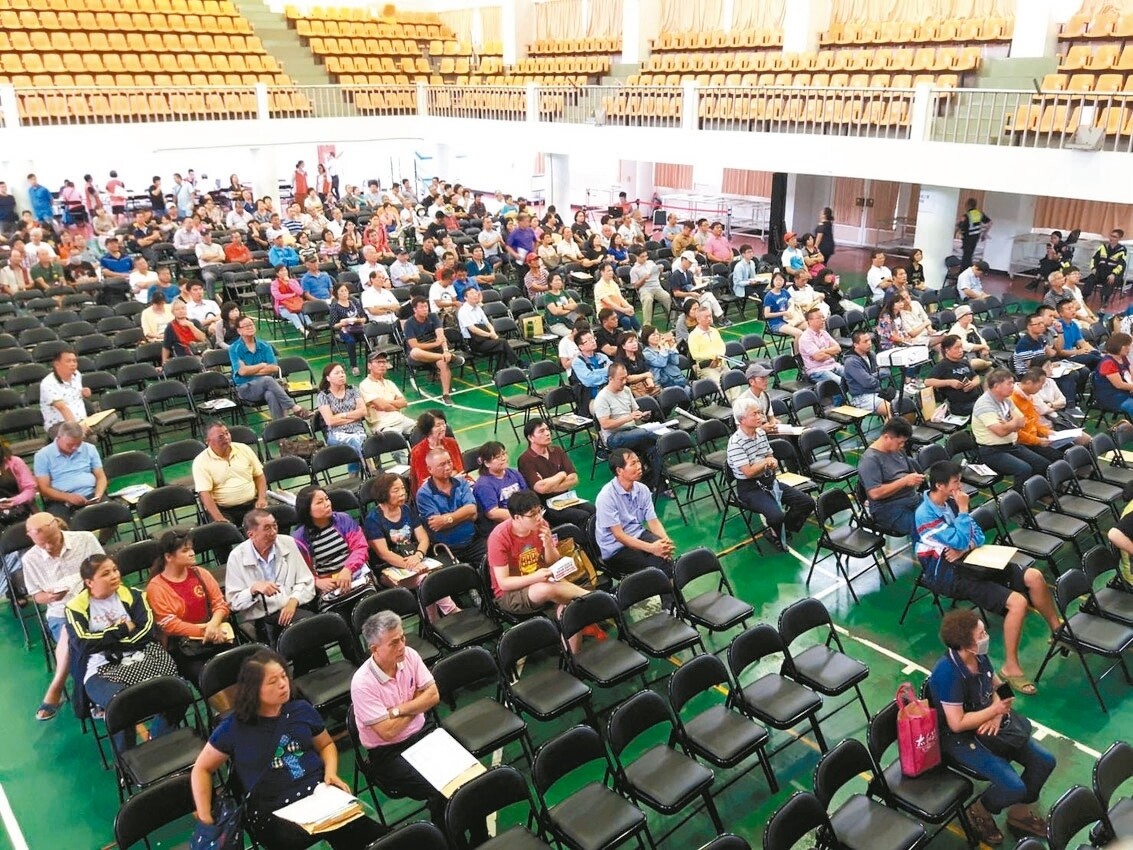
(633, 41)
(690, 105)
(9, 107)
(802, 23)
(936, 224)
(1035, 34)
(558, 183)
(517, 20)
(443, 160)
(265, 173)
(643, 185)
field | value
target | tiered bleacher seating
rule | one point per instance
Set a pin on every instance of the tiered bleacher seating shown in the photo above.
(964, 31)
(771, 39)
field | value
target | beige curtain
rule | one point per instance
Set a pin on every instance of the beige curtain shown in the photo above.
(758, 14)
(460, 22)
(741, 181)
(605, 19)
(492, 24)
(559, 19)
(1110, 7)
(858, 11)
(1089, 216)
(683, 16)
(539, 168)
(672, 176)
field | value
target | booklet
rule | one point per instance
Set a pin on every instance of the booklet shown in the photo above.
(131, 494)
(283, 496)
(324, 810)
(443, 761)
(562, 568)
(990, 557)
(792, 479)
(564, 500)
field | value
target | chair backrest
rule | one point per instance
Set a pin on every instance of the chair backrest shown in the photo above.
(1011, 505)
(1070, 814)
(317, 632)
(588, 610)
(101, 515)
(1112, 768)
(453, 579)
(882, 732)
(726, 841)
(399, 600)
(524, 639)
(801, 814)
(832, 502)
(694, 678)
(1069, 586)
(420, 835)
(838, 766)
(217, 539)
(152, 808)
(752, 645)
(564, 753)
(641, 585)
(462, 669)
(473, 802)
(1059, 474)
(167, 695)
(1098, 561)
(802, 616)
(695, 563)
(633, 716)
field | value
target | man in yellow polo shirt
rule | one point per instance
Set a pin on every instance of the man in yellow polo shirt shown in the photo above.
(228, 477)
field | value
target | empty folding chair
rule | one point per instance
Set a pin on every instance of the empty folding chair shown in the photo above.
(1113, 768)
(821, 666)
(1071, 814)
(484, 796)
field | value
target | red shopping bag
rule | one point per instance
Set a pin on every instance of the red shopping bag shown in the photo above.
(917, 739)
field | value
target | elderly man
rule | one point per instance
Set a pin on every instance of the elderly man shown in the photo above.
(784, 508)
(14, 276)
(254, 373)
(69, 472)
(448, 508)
(267, 580)
(228, 477)
(630, 536)
(378, 300)
(51, 572)
(402, 272)
(891, 481)
(757, 375)
(706, 347)
(391, 695)
(481, 335)
(819, 350)
(384, 401)
(548, 471)
(972, 342)
(62, 394)
(47, 272)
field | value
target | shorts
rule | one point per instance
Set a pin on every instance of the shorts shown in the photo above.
(518, 602)
(56, 625)
(866, 401)
(989, 595)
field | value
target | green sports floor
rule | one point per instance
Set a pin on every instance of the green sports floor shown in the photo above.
(60, 797)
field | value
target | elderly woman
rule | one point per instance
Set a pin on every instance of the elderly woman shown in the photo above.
(332, 544)
(188, 605)
(982, 731)
(287, 299)
(181, 334)
(433, 425)
(156, 317)
(281, 752)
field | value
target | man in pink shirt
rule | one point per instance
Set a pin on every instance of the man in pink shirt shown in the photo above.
(819, 350)
(716, 247)
(391, 693)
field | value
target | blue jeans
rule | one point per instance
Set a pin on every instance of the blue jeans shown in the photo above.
(628, 323)
(1127, 406)
(355, 441)
(100, 691)
(1007, 787)
(297, 319)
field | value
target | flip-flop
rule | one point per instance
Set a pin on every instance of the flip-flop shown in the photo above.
(1020, 684)
(47, 711)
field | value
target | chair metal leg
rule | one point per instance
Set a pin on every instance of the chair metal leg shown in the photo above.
(710, 807)
(818, 736)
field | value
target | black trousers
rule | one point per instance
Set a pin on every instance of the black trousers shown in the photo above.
(968, 247)
(398, 778)
(578, 514)
(503, 352)
(791, 515)
(235, 513)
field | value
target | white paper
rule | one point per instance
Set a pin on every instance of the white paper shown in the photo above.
(789, 430)
(564, 500)
(134, 492)
(1067, 434)
(562, 568)
(439, 758)
(283, 496)
(398, 469)
(324, 802)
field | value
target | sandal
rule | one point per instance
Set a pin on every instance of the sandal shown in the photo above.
(984, 826)
(47, 711)
(1032, 824)
(1020, 684)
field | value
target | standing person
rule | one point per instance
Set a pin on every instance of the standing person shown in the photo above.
(824, 234)
(785, 509)
(62, 394)
(299, 186)
(426, 344)
(971, 229)
(228, 477)
(281, 752)
(983, 732)
(341, 408)
(254, 373)
(51, 573)
(42, 204)
(630, 536)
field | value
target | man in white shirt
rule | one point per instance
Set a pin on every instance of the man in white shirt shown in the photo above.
(879, 278)
(442, 294)
(210, 255)
(203, 311)
(970, 282)
(337, 224)
(141, 279)
(182, 196)
(378, 299)
(187, 235)
(384, 401)
(477, 329)
(645, 277)
(238, 218)
(371, 264)
(402, 272)
(491, 241)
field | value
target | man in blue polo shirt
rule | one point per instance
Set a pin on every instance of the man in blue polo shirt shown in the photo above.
(315, 283)
(69, 472)
(42, 205)
(254, 373)
(116, 268)
(1069, 343)
(447, 506)
(630, 536)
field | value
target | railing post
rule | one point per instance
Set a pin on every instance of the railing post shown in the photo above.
(422, 100)
(532, 103)
(263, 104)
(690, 108)
(920, 119)
(9, 106)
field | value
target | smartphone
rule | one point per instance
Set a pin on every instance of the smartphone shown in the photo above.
(1005, 691)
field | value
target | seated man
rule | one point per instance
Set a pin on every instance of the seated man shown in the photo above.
(68, 472)
(685, 285)
(862, 379)
(447, 506)
(954, 379)
(945, 534)
(970, 282)
(391, 694)
(629, 534)
(481, 335)
(590, 367)
(706, 348)
(520, 552)
(228, 477)
(1069, 344)
(996, 423)
(204, 311)
(548, 471)
(1035, 433)
(784, 508)
(384, 400)
(757, 375)
(891, 481)
(819, 350)
(617, 414)
(266, 579)
(255, 372)
(425, 344)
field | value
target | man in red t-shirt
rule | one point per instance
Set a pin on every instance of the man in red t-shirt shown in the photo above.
(236, 251)
(519, 551)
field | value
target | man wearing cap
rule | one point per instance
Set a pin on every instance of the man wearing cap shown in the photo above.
(228, 477)
(974, 345)
(757, 375)
(970, 283)
(402, 272)
(683, 285)
(384, 401)
(792, 259)
(280, 254)
(51, 572)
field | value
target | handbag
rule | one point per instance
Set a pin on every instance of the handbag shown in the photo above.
(1013, 736)
(917, 740)
(141, 666)
(188, 647)
(304, 447)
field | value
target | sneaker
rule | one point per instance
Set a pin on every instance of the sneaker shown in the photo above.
(594, 631)
(457, 361)
(1076, 412)
(723, 323)
(446, 400)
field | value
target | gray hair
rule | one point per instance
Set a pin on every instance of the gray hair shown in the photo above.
(742, 406)
(74, 430)
(379, 624)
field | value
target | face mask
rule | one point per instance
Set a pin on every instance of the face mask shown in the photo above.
(983, 644)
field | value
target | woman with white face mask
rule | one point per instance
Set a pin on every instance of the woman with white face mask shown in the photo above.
(980, 729)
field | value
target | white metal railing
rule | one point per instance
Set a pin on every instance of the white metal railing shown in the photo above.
(1073, 120)
(1050, 119)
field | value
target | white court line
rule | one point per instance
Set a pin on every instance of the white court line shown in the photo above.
(11, 825)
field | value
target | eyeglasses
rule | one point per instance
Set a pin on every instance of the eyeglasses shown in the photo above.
(535, 514)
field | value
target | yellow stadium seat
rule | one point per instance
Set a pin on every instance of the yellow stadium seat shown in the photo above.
(851, 34)
(901, 81)
(882, 59)
(859, 81)
(860, 60)
(1105, 57)
(40, 41)
(923, 60)
(1075, 27)
(1024, 119)
(947, 31)
(1113, 119)
(879, 81)
(946, 81)
(1054, 82)
(1103, 23)
(1076, 58)
(1124, 27)
(820, 81)
(831, 35)
(945, 58)
(1080, 82)
(1108, 82)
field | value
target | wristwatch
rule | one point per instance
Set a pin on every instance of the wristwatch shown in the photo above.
(395, 712)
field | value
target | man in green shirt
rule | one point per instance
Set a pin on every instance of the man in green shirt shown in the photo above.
(46, 273)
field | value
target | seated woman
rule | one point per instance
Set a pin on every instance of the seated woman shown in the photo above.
(224, 331)
(333, 546)
(110, 629)
(348, 320)
(495, 485)
(562, 310)
(433, 426)
(826, 283)
(156, 317)
(982, 731)
(342, 409)
(396, 534)
(280, 751)
(17, 488)
(287, 298)
(776, 306)
(182, 334)
(664, 360)
(1113, 380)
(639, 375)
(188, 605)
